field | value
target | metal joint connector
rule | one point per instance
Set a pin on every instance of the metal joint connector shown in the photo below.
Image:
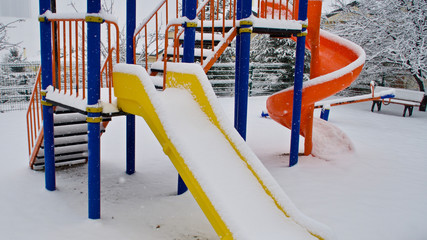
(42, 19)
(45, 103)
(94, 19)
(245, 30)
(93, 109)
(246, 22)
(191, 24)
(93, 119)
(302, 34)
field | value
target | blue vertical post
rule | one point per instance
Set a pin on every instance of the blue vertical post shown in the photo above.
(324, 114)
(243, 41)
(189, 10)
(299, 70)
(130, 119)
(93, 118)
(46, 65)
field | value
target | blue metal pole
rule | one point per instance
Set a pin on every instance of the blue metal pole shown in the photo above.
(299, 70)
(46, 65)
(243, 42)
(189, 11)
(130, 119)
(189, 32)
(93, 73)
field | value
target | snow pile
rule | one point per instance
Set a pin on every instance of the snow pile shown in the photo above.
(329, 141)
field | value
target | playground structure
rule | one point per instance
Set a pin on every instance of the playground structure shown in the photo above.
(185, 83)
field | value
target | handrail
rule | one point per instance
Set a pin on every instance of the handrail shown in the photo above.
(201, 15)
(69, 71)
(34, 115)
(144, 25)
(276, 9)
(66, 77)
(107, 70)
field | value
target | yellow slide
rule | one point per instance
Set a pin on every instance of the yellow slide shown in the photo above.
(232, 187)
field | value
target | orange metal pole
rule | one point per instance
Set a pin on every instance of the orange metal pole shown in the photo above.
(71, 57)
(272, 11)
(58, 35)
(201, 34)
(157, 37)
(146, 49)
(223, 20)
(83, 60)
(77, 57)
(314, 11)
(64, 57)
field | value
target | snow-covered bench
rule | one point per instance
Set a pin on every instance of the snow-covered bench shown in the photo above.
(408, 98)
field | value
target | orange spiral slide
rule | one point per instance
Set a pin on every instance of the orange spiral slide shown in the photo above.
(335, 64)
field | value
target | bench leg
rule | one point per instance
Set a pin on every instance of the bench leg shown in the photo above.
(378, 103)
(410, 110)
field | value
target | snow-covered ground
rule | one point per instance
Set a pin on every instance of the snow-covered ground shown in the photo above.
(376, 191)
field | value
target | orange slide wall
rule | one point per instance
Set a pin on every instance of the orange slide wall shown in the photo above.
(335, 64)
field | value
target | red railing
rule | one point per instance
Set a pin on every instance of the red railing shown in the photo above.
(149, 23)
(277, 9)
(35, 119)
(212, 13)
(107, 74)
(69, 54)
(68, 71)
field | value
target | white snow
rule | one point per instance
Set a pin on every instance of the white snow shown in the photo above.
(77, 102)
(376, 191)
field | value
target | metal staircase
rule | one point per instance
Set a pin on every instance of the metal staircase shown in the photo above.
(216, 27)
(69, 78)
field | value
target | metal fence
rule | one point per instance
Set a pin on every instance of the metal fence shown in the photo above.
(16, 83)
(264, 78)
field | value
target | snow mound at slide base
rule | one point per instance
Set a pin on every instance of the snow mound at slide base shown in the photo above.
(329, 141)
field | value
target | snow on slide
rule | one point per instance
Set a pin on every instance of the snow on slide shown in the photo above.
(235, 191)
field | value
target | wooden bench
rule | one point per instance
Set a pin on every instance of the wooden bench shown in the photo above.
(408, 98)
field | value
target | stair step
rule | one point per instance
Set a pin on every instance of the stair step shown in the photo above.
(70, 140)
(207, 39)
(72, 130)
(197, 52)
(65, 150)
(62, 110)
(63, 161)
(67, 118)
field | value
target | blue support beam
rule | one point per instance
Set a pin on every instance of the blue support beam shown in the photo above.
(243, 41)
(298, 83)
(130, 119)
(94, 144)
(189, 10)
(46, 65)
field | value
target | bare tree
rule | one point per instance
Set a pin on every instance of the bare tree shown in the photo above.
(4, 42)
(392, 32)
